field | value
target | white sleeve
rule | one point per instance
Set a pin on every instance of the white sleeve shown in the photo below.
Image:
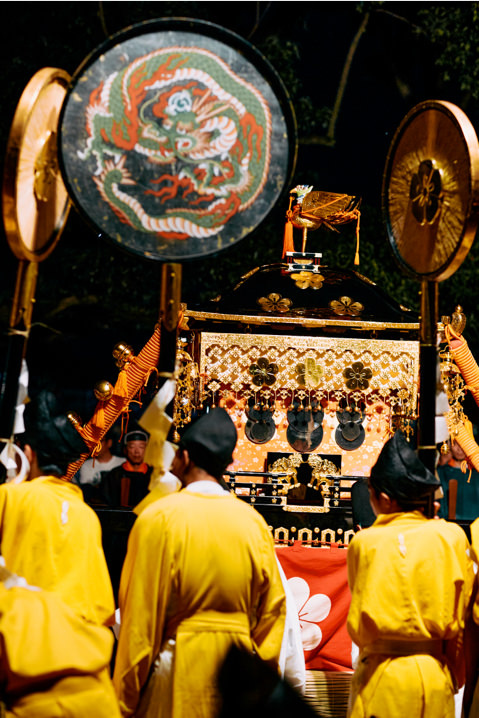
(458, 699)
(291, 659)
(354, 655)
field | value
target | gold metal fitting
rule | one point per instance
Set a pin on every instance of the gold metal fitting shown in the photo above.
(122, 354)
(103, 390)
(74, 419)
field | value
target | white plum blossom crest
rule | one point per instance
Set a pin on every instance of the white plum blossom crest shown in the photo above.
(311, 610)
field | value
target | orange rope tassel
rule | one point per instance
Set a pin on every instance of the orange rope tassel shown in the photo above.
(98, 418)
(465, 439)
(356, 256)
(121, 386)
(152, 371)
(118, 403)
(125, 418)
(465, 361)
(96, 450)
(288, 243)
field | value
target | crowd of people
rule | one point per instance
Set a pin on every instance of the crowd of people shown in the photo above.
(202, 591)
(200, 578)
(116, 481)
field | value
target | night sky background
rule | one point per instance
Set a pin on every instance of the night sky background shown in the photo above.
(91, 294)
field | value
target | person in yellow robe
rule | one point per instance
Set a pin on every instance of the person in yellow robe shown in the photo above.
(411, 579)
(471, 695)
(53, 664)
(48, 534)
(200, 576)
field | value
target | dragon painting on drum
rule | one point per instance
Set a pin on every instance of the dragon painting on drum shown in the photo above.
(177, 144)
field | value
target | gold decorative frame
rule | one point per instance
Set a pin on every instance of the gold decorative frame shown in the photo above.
(304, 322)
(224, 361)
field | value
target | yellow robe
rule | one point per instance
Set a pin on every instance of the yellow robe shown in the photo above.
(200, 574)
(411, 580)
(474, 528)
(473, 654)
(52, 662)
(52, 538)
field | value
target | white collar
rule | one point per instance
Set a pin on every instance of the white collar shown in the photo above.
(206, 487)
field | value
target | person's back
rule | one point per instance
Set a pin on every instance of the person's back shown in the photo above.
(222, 526)
(415, 581)
(48, 534)
(52, 538)
(200, 576)
(411, 579)
(210, 563)
(62, 669)
(471, 635)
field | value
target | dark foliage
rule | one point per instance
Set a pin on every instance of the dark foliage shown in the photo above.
(90, 294)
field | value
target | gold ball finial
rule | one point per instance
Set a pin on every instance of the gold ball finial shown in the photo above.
(444, 448)
(103, 390)
(122, 354)
(458, 320)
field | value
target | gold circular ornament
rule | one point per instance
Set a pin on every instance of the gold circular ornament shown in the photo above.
(103, 390)
(430, 193)
(122, 354)
(35, 201)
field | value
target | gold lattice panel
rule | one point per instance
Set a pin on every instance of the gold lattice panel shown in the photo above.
(225, 361)
(384, 376)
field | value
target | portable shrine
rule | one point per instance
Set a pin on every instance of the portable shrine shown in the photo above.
(316, 366)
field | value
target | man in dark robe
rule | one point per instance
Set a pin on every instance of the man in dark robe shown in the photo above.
(127, 484)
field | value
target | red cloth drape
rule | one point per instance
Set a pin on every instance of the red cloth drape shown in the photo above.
(319, 583)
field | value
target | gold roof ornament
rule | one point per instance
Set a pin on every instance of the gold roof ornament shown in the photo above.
(309, 210)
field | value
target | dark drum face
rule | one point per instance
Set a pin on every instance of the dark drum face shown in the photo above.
(351, 431)
(305, 431)
(304, 442)
(350, 434)
(173, 143)
(259, 433)
(260, 427)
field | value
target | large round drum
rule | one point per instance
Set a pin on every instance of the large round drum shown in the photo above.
(35, 202)
(176, 139)
(431, 190)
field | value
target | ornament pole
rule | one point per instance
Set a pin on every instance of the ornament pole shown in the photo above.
(170, 301)
(427, 374)
(19, 329)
